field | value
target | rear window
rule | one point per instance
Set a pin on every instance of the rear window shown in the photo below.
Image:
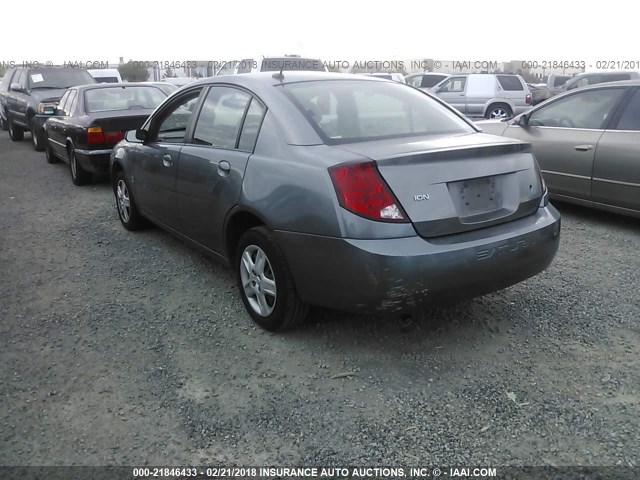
(510, 83)
(291, 63)
(122, 98)
(58, 78)
(344, 111)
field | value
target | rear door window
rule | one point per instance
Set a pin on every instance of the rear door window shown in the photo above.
(510, 83)
(221, 116)
(453, 84)
(62, 103)
(251, 126)
(70, 103)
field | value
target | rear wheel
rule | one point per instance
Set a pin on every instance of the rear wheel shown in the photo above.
(265, 282)
(499, 110)
(16, 134)
(48, 151)
(37, 137)
(78, 175)
(127, 209)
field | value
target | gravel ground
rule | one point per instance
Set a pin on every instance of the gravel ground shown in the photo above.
(121, 348)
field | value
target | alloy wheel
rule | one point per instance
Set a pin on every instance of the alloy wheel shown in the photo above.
(124, 203)
(258, 280)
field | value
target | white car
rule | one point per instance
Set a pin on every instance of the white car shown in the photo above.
(106, 75)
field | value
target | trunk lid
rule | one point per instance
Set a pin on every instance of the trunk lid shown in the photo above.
(122, 120)
(452, 184)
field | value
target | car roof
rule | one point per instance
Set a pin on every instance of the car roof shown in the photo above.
(620, 83)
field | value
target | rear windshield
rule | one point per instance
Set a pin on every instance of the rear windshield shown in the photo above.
(58, 78)
(291, 63)
(107, 79)
(344, 111)
(122, 98)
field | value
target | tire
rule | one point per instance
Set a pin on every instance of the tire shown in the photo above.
(499, 110)
(125, 203)
(259, 262)
(79, 176)
(16, 134)
(37, 137)
(48, 151)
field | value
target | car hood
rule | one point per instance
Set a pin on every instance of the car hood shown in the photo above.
(47, 95)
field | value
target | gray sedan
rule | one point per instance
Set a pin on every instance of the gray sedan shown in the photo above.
(587, 143)
(335, 190)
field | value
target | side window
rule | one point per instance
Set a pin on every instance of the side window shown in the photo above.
(19, 77)
(588, 109)
(510, 83)
(251, 126)
(6, 81)
(245, 65)
(173, 124)
(429, 81)
(630, 119)
(415, 81)
(454, 84)
(221, 116)
(70, 103)
(62, 102)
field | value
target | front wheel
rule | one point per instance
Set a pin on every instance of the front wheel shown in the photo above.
(16, 134)
(265, 282)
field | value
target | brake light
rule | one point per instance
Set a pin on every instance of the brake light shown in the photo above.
(96, 135)
(527, 99)
(362, 190)
(545, 192)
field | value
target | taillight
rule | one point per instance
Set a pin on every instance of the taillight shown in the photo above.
(96, 135)
(545, 192)
(527, 99)
(362, 190)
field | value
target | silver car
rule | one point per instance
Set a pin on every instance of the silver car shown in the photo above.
(587, 142)
(485, 95)
(336, 190)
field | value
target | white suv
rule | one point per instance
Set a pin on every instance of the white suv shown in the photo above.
(485, 94)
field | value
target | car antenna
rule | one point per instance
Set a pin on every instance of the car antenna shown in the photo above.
(279, 75)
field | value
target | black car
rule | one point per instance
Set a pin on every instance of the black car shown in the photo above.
(90, 119)
(30, 91)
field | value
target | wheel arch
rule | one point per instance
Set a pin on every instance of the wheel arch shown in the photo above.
(238, 221)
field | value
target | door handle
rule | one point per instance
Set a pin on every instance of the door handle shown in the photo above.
(224, 168)
(167, 161)
(583, 148)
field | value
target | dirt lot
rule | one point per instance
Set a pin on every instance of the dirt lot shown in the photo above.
(122, 348)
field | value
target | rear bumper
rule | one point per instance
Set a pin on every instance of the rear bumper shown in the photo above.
(404, 273)
(94, 161)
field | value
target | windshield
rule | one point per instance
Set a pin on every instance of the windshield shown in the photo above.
(58, 78)
(122, 98)
(343, 111)
(291, 63)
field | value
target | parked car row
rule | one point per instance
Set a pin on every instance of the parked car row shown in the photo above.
(347, 191)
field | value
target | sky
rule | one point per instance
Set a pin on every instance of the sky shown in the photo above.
(331, 30)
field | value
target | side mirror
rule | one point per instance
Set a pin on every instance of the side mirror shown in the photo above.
(141, 134)
(15, 87)
(523, 120)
